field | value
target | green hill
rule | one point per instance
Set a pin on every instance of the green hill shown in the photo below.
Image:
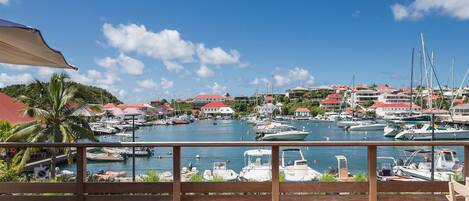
(89, 94)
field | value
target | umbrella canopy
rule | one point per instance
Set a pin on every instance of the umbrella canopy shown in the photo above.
(23, 45)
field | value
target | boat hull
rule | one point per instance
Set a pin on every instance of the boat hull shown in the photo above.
(373, 127)
(439, 135)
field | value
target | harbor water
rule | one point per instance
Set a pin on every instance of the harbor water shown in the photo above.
(319, 158)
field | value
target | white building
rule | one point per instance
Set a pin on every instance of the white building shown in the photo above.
(365, 95)
(216, 108)
(384, 109)
(302, 113)
(394, 98)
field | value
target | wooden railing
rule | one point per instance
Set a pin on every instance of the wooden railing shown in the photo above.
(275, 190)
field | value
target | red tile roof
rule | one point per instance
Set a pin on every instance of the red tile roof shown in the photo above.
(214, 105)
(331, 96)
(212, 96)
(109, 105)
(137, 105)
(302, 109)
(11, 110)
(330, 101)
(361, 86)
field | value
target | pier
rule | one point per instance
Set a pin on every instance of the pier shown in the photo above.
(274, 190)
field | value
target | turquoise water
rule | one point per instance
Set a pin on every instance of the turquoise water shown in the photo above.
(319, 158)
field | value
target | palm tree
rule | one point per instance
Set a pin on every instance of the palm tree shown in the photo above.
(55, 119)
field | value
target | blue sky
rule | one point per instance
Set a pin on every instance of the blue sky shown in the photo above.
(144, 50)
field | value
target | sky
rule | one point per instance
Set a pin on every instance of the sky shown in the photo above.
(146, 50)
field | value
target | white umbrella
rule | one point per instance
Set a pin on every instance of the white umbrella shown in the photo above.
(23, 45)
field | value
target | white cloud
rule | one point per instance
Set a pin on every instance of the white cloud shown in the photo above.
(258, 81)
(108, 78)
(166, 45)
(297, 74)
(78, 77)
(419, 8)
(46, 72)
(204, 72)
(4, 2)
(173, 66)
(218, 89)
(148, 84)
(15, 66)
(216, 55)
(166, 84)
(22, 78)
(127, 64)
(94, 74)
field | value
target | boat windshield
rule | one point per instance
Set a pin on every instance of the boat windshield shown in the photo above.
(448, 156)
(263, 160)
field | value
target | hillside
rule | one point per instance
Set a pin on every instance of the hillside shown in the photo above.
(89, 94)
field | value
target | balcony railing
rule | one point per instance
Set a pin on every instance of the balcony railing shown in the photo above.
(275, 190)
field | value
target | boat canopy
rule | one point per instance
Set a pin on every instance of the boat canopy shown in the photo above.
(258, 152)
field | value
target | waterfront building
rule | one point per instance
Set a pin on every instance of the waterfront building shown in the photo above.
(330, 104)
(11, 110)
(394, 98)
(386, 89)
(363, 95)
(335, 96)
(216, 108)
(383, 109)
(302, 113)
(297, 92)
(203, 99)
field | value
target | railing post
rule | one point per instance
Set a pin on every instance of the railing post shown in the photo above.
(275, 174)
(81, 173)
(176, 173)
(372, 180)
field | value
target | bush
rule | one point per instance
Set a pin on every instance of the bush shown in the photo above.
(197, 178)
(360, 177)
(7, 174)
(152, 176)
(327, 177)
(217, 179)
(282, 177)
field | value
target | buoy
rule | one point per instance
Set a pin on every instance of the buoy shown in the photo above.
(169, 153)
(197, 156)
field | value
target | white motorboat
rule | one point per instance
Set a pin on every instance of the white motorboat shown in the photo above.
(220, 172)
(418, 164)
(104, 157)
(285, 135)
(139, 151)
(347, 123)
(388, 171)
(367, 127)
(272, 127)
(186, 174)
(440, 133)
(321, 119)
(297, 170)
(257, 165)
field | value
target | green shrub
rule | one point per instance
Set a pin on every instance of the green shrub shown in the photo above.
(327, 177)
(458, 177)
(152, 176)
(217, 179)
(7, 174)
(360, 177)
(197, 178)
(282, 177)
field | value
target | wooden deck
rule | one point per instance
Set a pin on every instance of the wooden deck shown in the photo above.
(239, 191)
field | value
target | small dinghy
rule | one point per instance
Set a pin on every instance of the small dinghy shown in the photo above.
(104, 157)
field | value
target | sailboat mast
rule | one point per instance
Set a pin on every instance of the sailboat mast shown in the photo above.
(452, 78)
(411, 82)
(425, 67)
(432, 62)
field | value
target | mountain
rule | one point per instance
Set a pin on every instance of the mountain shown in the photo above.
(89, 94)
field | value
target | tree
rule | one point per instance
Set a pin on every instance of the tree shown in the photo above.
(55, 119)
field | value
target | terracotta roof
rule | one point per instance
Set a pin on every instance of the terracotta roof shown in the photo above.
(436, 111)
(213, 96)
(384, 87)
(395, 105)
(214, 105)
(302, 109)
(137, 105)
(11, 110)
(109, 105)
(335, 95)
(330, 101)
(361, 86)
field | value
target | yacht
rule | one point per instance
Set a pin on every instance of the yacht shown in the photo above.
(220, 171)
(368, 126)
(297, 169)
(388, 171)
(440, 133)
(139, 151)
(285, 136)
(104, 157)
(418, 164)
(273, 127)
(257, 165)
